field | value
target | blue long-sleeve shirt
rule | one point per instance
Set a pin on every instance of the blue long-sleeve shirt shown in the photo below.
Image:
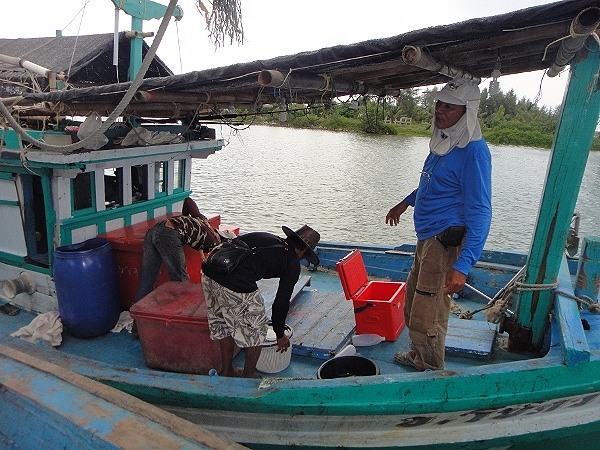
(456, 189)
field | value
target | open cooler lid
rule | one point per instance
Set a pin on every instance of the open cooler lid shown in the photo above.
(171, 301)
(352, 272)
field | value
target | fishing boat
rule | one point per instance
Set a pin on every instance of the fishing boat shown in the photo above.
(528, 378)
(47, 406)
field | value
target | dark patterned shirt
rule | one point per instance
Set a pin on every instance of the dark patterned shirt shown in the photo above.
(197, 233)
(275, 259)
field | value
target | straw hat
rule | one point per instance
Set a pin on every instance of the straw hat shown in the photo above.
(307, 237)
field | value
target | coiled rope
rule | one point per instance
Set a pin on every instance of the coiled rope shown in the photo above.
(499, 306)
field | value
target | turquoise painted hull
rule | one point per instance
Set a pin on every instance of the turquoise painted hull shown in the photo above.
(472, 404)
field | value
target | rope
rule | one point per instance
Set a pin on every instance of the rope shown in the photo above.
(327, 79)
(592, 306)
(572, 34)
(287, 75)
(497, 306)
(82, 10)
(494, 310)
(535, 287)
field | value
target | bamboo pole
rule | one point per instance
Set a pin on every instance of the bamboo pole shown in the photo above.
(32, 67)
(414, 56)
(293, 81)
(582, 26)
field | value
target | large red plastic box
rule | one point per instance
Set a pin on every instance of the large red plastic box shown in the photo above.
(173, 329)
(378, 305)
(127, 245)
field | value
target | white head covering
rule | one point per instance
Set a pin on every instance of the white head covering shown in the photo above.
(459, 91)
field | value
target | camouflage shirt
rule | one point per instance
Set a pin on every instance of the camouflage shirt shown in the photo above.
(197, 233)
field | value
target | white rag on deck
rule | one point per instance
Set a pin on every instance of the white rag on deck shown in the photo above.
(125, 321)
(47, 327)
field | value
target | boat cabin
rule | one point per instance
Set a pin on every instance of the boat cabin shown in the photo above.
(50, 199)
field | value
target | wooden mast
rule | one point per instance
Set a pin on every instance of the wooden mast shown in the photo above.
(579, 116)
(140, 11)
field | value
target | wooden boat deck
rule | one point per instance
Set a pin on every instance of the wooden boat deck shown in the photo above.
(323, 324)
(322, 321)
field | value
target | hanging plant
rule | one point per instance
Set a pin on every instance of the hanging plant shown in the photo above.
(223, 22)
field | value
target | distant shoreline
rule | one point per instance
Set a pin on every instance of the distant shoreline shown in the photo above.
(504, 137)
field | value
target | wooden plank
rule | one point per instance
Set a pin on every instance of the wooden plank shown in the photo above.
(302, 316)
(474, 338)
(588, 268)
(568, 158)
(268, 290)
(44, 403)
(334, 329)
(572, 336)
(323, 322)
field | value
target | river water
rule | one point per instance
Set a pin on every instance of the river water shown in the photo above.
(343, 184)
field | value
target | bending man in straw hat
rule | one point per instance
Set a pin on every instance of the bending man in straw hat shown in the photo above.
(452, 215)
(236, 310)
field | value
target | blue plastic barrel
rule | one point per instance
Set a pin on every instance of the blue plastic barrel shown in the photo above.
(85, 278)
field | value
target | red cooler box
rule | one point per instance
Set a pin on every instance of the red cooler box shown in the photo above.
(378, 305)
(173, 329)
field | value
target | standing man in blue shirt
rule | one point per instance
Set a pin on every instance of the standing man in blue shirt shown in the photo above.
(452, 216)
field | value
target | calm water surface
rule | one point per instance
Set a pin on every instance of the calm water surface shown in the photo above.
(343, 184)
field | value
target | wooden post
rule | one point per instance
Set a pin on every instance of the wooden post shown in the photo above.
(569, 155)
(135, 49)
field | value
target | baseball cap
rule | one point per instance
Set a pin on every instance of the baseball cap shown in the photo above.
(458, 92)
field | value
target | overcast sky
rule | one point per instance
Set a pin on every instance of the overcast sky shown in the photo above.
(275, 28)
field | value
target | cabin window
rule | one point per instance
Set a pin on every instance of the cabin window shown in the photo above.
(82, 187)
(179, 175)
(139, 183)
(160, 178)
(113, 194)
(11, 210)
(40, 253)
(120, 190)
(30, 192)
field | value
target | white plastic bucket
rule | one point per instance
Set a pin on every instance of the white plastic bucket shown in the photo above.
(271, 361)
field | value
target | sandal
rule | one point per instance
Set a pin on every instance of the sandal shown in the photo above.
(405, 358)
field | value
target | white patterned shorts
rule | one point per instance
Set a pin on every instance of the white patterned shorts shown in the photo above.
(239, 315)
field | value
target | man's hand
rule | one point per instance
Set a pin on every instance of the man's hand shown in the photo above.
(393, 216)
(455, 281)
(283, 343)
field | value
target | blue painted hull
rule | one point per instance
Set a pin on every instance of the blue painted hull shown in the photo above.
(46, 406)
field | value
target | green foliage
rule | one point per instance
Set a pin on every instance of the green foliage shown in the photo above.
(504, 119)
(513, 136)
(335, 121)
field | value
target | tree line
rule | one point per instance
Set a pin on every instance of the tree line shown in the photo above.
(504, 118)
